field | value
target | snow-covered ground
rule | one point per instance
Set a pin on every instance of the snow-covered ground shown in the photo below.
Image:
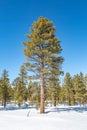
(59, 118)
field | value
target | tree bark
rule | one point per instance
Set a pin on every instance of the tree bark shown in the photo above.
(54, 101)
(42, 94)
(4, 101)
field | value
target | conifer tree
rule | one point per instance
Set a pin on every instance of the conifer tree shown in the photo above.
(20, 90)
(15, 83)
(34, 93)
(62, 95)
(41, 48)
(1, 92)
(85, 94)
(54, 83)
(23, 81)
(69, 89)
(5, 87)
(53, 91)
(79, 87)
(11, 93)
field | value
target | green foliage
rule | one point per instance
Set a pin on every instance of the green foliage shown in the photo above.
(34, 93)
(53, 91)
(62, 95)
(69, 93)
(79, 87)
(5, 87)
(74, 90)
(1, 92)
(20, 90)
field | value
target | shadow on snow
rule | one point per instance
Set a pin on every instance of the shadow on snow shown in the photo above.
(68, 109)
(15, 108)
(49, 109)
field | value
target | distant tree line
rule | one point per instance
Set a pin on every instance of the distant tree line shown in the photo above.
(72, 90)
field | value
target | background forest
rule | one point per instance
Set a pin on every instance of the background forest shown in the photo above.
(72, 90)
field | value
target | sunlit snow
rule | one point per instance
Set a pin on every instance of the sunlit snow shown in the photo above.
(55, 118)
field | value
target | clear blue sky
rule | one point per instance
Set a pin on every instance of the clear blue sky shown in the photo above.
(69, 17)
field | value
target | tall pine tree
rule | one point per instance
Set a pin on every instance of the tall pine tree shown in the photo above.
(41, 48)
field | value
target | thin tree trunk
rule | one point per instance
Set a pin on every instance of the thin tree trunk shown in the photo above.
(2, 102)
(5, 101)
(5, 96)
(54, 100)
(42, 94)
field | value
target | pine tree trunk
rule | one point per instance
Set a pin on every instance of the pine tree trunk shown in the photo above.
(4, 101)
(5, 96)
(54, 100)
(69, 102)
(42, 94)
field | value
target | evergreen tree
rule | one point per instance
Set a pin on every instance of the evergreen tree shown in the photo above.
(23, 80)
(55, 72)
(85, 94)
(5, 87)
(20, 90)
(79, 87)
(1, 92)
(34, 93)
(40, 50)
(69, 91)
(62, 95)
(15, 85)
(11, 93)
(53, 91)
